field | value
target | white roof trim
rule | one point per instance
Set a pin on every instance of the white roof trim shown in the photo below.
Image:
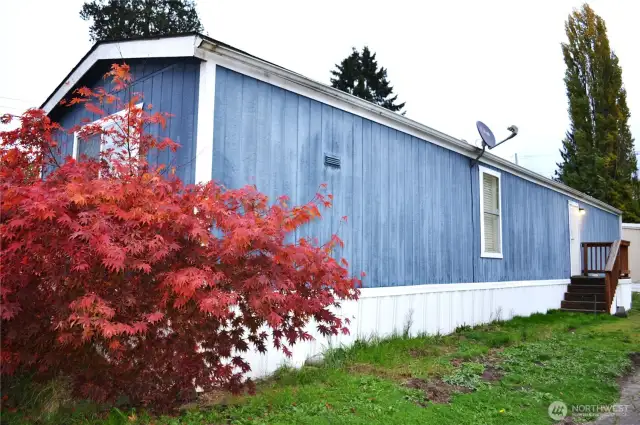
(631, 226)
(282, 77)
(205, 48)
(180, 46)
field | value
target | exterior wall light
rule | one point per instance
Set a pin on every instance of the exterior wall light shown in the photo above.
(582, 211)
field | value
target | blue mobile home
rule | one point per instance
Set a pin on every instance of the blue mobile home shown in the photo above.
(444, 243)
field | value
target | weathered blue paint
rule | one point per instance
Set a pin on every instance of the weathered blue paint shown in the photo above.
(412, 206)
(535, 233)
(170, 85)
(598, 225)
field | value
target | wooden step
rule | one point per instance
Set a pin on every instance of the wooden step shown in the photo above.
(583, 305)
(570, 310)
(586, 289)
(587, 280)
(583, 296)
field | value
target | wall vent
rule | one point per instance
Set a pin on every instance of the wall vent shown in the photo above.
(331, 161)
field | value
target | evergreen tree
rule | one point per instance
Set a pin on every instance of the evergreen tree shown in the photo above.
(122, 19)
(597, 152)
(636, 187)
(359, 75)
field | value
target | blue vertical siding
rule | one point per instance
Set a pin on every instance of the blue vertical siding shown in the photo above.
(170, 85)
(535, 233)
(412, 206)
(598, 225)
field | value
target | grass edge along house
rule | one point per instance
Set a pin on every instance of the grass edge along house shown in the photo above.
(444, 242)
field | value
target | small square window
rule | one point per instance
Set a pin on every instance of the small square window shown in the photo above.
(98, 143)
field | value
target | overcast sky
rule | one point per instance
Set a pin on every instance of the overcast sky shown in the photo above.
(453, 62)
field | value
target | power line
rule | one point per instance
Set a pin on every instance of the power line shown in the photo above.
(17, 99)
(13, 107)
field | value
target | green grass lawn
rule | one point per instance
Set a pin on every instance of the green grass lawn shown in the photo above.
(501, 373)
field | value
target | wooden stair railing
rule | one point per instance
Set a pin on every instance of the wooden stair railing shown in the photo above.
(610, 259)
(594, 256)
(612, 273)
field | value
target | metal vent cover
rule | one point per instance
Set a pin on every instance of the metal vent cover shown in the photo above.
(331, 160)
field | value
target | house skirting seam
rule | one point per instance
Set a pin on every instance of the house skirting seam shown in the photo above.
(427, 309)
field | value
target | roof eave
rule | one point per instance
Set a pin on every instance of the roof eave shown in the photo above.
(453, 143)
(187, 45)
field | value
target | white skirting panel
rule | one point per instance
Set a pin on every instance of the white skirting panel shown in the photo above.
(623, 295)
(430, 309)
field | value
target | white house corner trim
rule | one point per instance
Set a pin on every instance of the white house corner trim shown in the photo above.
(204, 132)
(74, 153)
(621, 226)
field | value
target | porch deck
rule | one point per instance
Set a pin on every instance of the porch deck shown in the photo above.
(603, 265)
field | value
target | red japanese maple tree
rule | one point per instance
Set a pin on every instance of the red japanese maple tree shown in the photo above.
(118, 275)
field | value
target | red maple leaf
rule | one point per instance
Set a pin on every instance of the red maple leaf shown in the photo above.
(120, 260)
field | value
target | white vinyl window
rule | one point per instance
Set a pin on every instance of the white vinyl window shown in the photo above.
(490, 214)
(98, 143)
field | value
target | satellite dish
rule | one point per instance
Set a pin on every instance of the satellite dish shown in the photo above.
(487, 135)
(489, 140)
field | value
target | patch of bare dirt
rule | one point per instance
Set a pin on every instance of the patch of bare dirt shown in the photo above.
(424, 352)
(436, 391)
(210, 399)
(368, 369)
(493, 356)
(456, 362)
(430, 351)
(491, 373)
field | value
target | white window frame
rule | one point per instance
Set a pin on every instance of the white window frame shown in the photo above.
(482, 171)
(103, 120)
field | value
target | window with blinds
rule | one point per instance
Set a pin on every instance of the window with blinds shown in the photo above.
(491, 215)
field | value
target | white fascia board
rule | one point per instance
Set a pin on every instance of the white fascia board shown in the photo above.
(288, 80)
(183, 46)
(631, 225)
